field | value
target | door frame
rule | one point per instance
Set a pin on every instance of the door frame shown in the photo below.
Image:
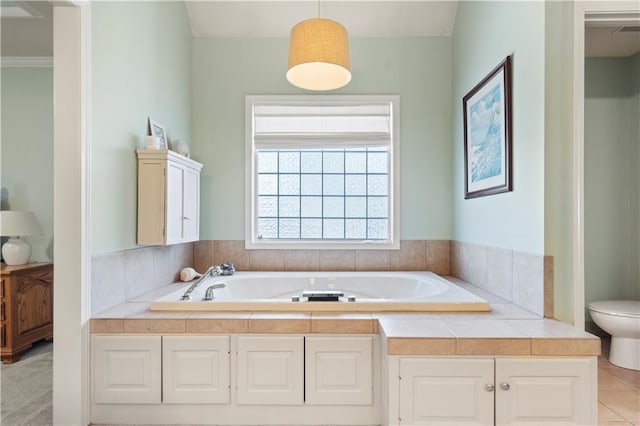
(607, 11)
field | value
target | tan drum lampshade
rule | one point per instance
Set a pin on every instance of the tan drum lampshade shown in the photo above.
(319, 55)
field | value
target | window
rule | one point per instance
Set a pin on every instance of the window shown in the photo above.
(320, 172)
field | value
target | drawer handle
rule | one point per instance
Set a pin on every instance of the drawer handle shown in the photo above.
(489, 387)
(505, 386)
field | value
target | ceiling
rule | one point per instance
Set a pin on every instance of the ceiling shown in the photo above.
(31, 35)
(361, 18)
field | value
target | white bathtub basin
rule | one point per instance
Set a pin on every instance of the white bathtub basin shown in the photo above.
(373, 292)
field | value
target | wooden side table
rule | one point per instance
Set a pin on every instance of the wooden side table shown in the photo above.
(26, 308)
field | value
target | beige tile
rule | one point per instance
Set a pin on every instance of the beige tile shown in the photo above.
(183, 254)
(528, 281)
(500, 272)
(624, 403)
(232, 251)
(607, 381)
(107, 325)
(260, 322)
(493, 346)
(548, 297)
(218, 325)
(347, 323)
(605, 415)
(203, 255)
(409, 346)
(302, 260)
(565, 347)
(410, 257)
(509, 311)
(164, 267)
(267, 260)
(123, 310)
(414, 328)
(108, 281)
(473, 328)
(438, 256)
(337, 260)
(139, 272)
(165, 325)
(372, 260)
(629, 377)
(459, 260)
(548, 328)
(469, 262)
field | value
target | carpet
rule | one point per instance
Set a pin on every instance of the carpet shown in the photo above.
(26, 388)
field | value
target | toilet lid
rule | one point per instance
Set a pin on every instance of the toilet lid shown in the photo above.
(624, 308)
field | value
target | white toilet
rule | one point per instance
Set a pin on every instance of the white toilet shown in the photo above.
(621, 319)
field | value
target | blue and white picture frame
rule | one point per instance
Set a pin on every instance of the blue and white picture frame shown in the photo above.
(487, 134)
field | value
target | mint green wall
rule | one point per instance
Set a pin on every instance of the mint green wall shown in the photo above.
(27, 149)
(485, 33)
(558, 159)
(417, 69)
(611, 178)
(141, 68)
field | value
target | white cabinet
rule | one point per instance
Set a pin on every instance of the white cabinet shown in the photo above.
(545, 391)
(126, 370)
(195, 369)
(339, 370)
(443, 391)
(463, 391)
(168, 198)
(270, 370)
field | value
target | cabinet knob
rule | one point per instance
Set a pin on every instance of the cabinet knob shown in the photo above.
(505, 386)
(489, 387)
(186, 218)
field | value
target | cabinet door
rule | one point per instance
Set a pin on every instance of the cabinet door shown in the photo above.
(175, 194)
(540, 391)
(270, 370)
(191, 209)
(339, 370)
(440, 391)
(126, 370)
(195, 369)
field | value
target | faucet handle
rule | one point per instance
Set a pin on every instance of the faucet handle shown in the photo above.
(227, 268)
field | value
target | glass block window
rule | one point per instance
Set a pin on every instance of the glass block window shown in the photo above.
(321, 171)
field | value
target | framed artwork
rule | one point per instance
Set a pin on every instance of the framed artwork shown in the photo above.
(156, 129)
(487, 134)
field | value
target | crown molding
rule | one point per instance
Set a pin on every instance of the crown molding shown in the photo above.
(26, 61)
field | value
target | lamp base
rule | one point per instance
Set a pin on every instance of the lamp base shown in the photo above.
(16, 251)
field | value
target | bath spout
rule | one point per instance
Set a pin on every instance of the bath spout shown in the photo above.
(211, 272)
(208, 295)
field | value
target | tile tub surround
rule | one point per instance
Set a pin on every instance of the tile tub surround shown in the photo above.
(524, 279)
(124, 275)
(414, 255)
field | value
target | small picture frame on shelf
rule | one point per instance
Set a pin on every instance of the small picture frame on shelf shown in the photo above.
(156, 129)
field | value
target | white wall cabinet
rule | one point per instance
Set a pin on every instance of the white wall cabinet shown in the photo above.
(339, 370)
(126, 370)
(168, 198)
(195, 370)
(463, 391)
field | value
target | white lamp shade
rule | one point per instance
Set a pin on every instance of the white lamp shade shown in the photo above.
(18, 224)
(319, 55)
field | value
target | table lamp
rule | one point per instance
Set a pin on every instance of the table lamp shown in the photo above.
(16, 224)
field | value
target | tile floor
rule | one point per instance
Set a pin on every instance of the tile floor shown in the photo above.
(618, 393)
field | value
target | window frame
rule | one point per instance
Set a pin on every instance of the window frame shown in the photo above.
(251, 196)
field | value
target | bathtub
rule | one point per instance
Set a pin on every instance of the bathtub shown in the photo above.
(361, 292)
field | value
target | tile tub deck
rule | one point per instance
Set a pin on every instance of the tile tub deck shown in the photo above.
(506, 330)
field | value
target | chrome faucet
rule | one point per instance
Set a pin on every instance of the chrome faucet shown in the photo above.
(208, 295)
(211, 272)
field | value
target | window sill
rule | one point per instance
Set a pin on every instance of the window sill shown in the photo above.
(321, 245)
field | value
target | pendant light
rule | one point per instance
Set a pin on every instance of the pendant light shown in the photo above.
(319, 55)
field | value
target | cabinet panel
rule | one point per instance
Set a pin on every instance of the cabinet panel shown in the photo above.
(339, 370)
(126, 370)
(269, 370)
(545, 391)
(175, 178)
(439, 391)
(151, 202)
(191, 219)
(195, 369)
